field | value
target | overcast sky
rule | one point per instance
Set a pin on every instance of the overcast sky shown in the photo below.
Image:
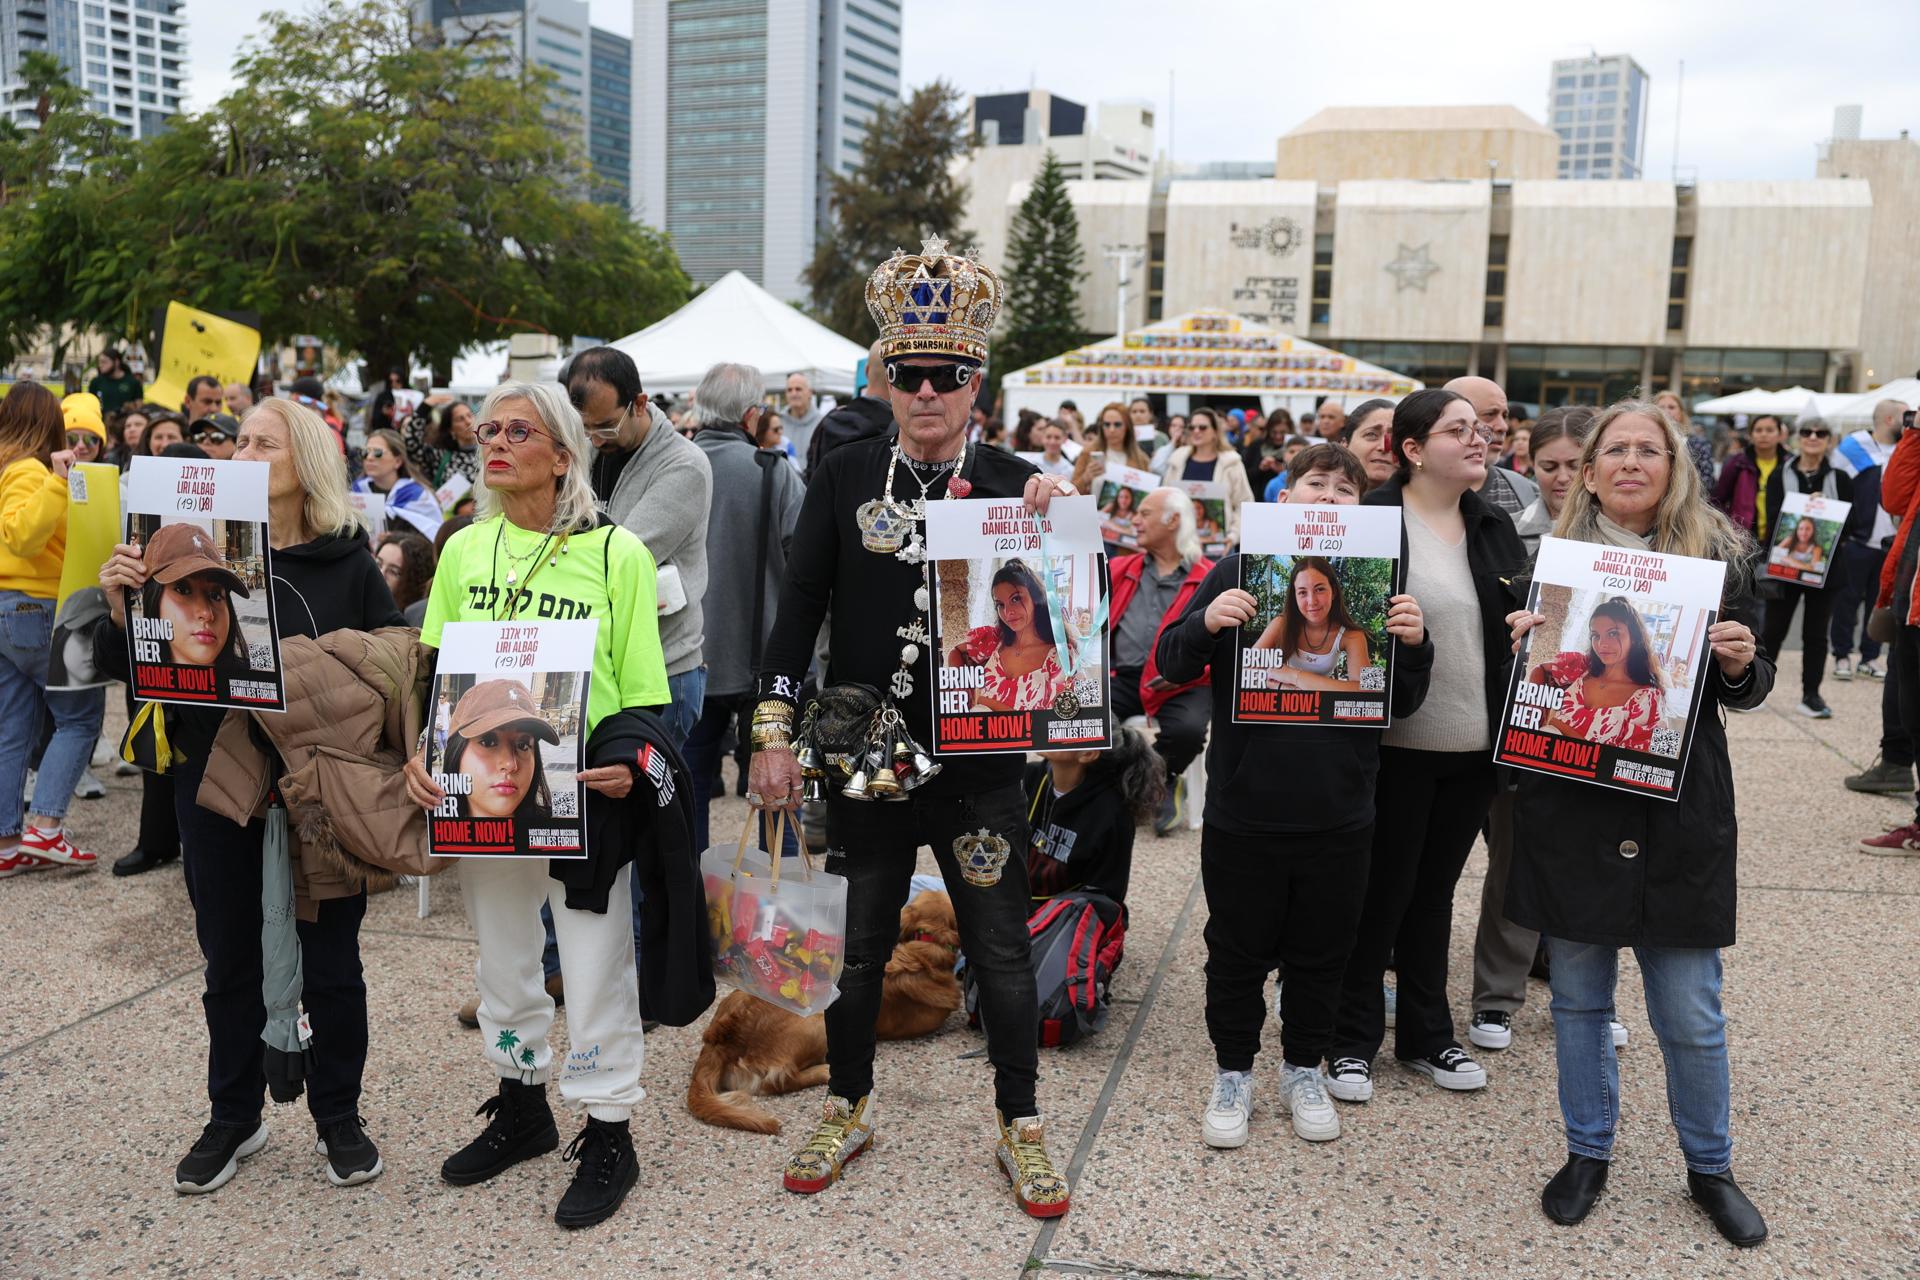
(1762, 76)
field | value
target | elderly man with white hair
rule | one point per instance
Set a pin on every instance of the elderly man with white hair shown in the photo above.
(1150, 590)
(800, 416)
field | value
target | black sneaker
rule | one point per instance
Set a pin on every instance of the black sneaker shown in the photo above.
(1350, 1079)
(1451, 1068)
(1882, 778)
(351, 1156)
(1172, 808)
(211, 1163)
(519, 1127)
(607, 1171)
(1491, 1029)
(1814, 707)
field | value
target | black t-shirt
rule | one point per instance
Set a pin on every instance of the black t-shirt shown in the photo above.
(606, 474)
(871, 595)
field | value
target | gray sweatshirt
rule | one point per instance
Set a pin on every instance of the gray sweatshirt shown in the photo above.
(663, 495)
(737, 484)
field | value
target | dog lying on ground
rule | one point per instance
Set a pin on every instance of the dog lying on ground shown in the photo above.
(752, 1047)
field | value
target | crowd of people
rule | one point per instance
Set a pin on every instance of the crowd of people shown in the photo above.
(731, 551)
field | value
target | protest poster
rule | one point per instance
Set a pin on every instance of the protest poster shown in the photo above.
(1121, 491)
(1805, 536)
(1607, 689)
(1020, 625)
(372, 508)
(93, 526)
(1209, 514)
(451, 494)
(201, 631)
(1316, 650)
(195, 342)
(506, 738)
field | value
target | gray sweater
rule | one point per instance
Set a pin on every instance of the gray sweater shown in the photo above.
(663, 495)
(737, 481)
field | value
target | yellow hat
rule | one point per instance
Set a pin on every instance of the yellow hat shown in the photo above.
(82, 411)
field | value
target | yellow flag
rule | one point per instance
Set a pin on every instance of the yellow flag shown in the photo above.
(197, 342)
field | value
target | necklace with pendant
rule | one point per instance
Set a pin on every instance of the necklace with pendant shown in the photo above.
(914, 552)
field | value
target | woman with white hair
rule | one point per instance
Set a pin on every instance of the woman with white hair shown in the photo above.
(539, 549)
(324, 579)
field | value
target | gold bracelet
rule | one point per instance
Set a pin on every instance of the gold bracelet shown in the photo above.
(769, 741)
(774, 711)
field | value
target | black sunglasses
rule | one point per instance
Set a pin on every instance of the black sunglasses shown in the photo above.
(1814, 431)
(949, 375)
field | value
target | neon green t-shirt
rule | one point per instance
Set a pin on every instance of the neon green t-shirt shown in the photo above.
(604, 573)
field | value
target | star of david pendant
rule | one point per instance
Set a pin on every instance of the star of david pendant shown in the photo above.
(882, 529)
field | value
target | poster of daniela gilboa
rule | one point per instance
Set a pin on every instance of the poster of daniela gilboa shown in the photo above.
(505, 738)
(1316, 650)
(1607, 689)
(201, 631)
(1020, 621)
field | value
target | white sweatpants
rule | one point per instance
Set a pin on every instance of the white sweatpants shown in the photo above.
(606, 1050)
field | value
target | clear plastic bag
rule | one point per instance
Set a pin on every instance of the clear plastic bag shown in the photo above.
(779, 926)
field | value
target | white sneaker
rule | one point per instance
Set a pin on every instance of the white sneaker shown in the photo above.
(104, 753)
(1875, 670)
(1843, 668)
(1225, 1123)
(1350, 1079)
(89, 787)
(1305, 1090)
(1619, 1034)
(125, 769)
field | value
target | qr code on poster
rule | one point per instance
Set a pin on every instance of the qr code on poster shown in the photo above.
(1666, 742)
(260, 657)
(1374, 680)
(566, 802)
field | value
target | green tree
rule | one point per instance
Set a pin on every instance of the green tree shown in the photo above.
(401, 197)
(1045, 265)
(903, 191)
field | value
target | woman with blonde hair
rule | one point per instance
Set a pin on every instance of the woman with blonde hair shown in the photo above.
(1207, 456)
(1596, 869)
(1699, 448)
(539, 548)
(324, 579)
(386, 471)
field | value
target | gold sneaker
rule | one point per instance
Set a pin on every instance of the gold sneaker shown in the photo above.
(845, 1130)
(1022, 1153)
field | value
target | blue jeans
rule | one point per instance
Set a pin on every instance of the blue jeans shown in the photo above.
(703, 762)
(1683, 1005)
(26, 638)
(77, 715)
(689, 690)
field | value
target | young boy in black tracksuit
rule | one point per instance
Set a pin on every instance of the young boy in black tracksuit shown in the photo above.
(1082, 808)
(1285, 845)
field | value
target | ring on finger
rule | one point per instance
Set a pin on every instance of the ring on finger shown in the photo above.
(754, 798)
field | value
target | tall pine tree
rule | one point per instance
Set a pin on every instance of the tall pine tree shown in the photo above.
(1045, 266)
(903, 191)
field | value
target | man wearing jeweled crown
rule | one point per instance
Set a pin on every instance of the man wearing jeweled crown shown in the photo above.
(860, 551)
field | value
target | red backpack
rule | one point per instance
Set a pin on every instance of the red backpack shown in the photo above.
(1078, 938)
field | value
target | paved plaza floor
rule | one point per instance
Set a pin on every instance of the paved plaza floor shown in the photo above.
(102, 1066)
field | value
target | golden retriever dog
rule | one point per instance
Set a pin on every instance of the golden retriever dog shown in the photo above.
(752, 1047)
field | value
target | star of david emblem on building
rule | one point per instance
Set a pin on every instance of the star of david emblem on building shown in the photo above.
(1412, 268)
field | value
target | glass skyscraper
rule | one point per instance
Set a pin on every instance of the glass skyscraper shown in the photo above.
(1598, 106)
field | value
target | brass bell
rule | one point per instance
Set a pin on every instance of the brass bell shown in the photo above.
(808, 757)
(885, 784)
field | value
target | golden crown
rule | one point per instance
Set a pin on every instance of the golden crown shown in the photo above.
(934, 303)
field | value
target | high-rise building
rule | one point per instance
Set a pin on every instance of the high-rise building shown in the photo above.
(129, 55)
(554, 34)
(743, 110)
(1598, 106)
(610, 118)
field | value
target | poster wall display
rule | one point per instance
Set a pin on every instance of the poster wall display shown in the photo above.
(202, 629)
(1607, 689)
(1122, 490)
(506, 738)
(1020, 618)
(1317, 649)
(1805, 537)
(1209, 514)
(93, 526)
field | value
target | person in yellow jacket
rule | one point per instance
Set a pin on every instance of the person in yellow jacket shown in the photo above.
(33, 537)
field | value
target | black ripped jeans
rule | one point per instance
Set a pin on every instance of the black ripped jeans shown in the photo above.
(874, 845)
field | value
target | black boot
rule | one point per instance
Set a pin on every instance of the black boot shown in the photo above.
(1570, 1193)
(519, 1127)
(132, 864)
(608, 1169)
(1728, 1206)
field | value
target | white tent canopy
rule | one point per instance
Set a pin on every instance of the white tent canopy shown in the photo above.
(1203, 355)
(1859, 408)
(1789, 400)
(736, 320)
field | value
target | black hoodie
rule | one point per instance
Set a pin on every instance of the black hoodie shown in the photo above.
(1297, 779)
(1080, 840)
(330, 584)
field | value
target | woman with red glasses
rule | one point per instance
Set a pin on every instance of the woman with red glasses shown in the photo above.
(1812, 472)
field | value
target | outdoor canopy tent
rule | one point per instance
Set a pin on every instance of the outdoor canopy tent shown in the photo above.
(736, 320)
(1859, 408)
(1201, 354)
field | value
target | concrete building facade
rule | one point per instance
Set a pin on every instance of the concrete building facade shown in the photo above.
(129, 55)
(1890, 323)
(1339, 143)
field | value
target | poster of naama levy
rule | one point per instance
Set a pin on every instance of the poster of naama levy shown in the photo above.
(1020, 621)
(1607, 690)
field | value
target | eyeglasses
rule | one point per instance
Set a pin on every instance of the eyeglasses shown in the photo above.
(518, 431)
(947, 376)
(1817, 432)
(1467, 430)
(1619, 453)
(607, 431)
